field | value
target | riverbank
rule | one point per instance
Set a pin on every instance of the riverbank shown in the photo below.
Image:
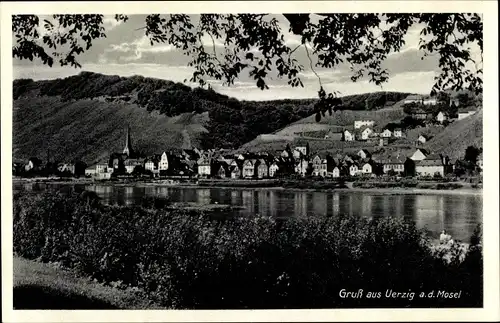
(274, 185)
(49, 286)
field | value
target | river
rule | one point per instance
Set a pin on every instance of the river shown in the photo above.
(458, 214)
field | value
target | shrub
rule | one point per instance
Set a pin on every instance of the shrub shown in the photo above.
(191, 260)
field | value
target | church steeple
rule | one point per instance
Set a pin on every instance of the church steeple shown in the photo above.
(128, 145)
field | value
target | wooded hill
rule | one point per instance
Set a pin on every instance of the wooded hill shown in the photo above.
(85, 116)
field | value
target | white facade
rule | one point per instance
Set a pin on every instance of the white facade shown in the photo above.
(367, 168)
(273, 169)
(397, 167)
(425, 170)
(336, 172)
(386, 133)
(430, 101)
(361, 123)
(441, 117)
(204, 170)
(90, 171)
(163, 164)
(353, 170)
(422, 139)
(365, 134)
(235, 173)
(149, 165)
(101, 168)
(348, 136)
(398, 133)
(248, 168)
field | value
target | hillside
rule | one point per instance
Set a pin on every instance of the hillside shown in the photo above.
(91, 130)
(85, 116)
(451, 140)
(455, 138)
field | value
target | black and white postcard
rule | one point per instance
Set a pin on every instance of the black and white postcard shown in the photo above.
(250, 161)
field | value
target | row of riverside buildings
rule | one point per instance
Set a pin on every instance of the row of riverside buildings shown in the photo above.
(298, 160)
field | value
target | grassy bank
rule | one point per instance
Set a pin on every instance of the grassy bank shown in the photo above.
(47, 286)
(186, 259)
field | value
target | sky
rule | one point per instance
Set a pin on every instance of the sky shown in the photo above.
(126, 51)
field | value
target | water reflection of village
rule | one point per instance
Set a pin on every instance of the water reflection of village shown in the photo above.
(458, 214)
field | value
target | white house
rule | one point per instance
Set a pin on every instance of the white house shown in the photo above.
(90, 171)
(365, 134)
(363, 153)
(248, 168)
(163, 164)
(348, 136)
(367, 168)
(353, 170)
(149, 165)
(441, 117)
(419, 154)
(361, 123)
(204, 167)
(297, 153)
(336, 172)
(398, 133)
(302, 149)
(422, 139)
(430, 101)
(386, 133)
(273, 169)
(429, 167)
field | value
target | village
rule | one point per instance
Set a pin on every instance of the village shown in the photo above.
(289, 161)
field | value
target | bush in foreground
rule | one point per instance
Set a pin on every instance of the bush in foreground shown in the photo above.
(190, 260)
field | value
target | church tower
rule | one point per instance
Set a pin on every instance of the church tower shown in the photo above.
(128, 145)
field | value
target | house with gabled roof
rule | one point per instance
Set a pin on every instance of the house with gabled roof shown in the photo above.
(349, 135)
(422, 139)
(262, 169)
(430, 167)
(204, 166)
(398, 132)
(386, 133)
(363, 153)
(354, 169)
(441, 117)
